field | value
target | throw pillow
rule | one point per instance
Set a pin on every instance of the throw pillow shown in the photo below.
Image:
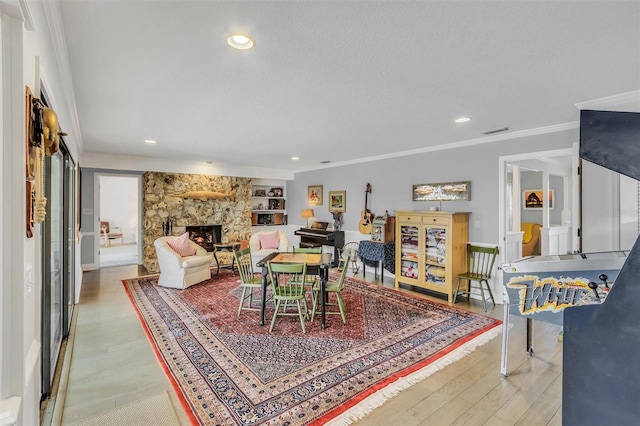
(269, 240)
(182, 245)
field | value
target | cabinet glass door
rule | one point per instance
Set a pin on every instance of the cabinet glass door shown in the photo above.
(435, 255)
(409, 251)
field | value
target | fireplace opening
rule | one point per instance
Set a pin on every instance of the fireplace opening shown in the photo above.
(205, 235)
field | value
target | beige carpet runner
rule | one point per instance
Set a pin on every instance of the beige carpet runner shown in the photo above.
(156, 410)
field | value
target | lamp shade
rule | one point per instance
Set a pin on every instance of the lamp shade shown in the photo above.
(307, 213)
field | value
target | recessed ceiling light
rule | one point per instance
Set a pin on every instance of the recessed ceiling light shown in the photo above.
(295, 158)
(241, 41)
(463, 119)
(150, 141)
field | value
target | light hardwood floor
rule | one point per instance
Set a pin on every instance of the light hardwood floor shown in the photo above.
(112, 365)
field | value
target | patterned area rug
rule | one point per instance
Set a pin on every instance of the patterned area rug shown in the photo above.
(231, 371)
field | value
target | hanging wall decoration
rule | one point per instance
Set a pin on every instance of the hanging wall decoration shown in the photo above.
(314, 195)
(337, 201)
(33, 166)
(447, 191)
(42, 138)
(533, 199)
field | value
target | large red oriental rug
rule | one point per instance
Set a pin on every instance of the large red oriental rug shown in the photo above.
(228, 370)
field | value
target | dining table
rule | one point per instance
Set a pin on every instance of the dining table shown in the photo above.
(318, 261)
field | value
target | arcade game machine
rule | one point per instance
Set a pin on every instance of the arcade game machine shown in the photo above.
(594, 296)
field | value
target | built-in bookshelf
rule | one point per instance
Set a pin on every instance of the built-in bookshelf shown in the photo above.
(268, 204)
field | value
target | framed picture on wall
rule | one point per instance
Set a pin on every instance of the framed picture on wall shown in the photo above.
(314, 195)
(445, 191)
(337, 201)
(532, 199)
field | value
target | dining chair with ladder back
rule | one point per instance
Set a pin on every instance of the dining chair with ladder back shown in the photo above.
(480, 262)
(312, 250)
(312, 272)
(334, 287)
(249, 280)
(285, 280)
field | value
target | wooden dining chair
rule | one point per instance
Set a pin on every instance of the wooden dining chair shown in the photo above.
(312, 272)
(336, 288)
(312, 250)
(285, 279)
(249, 280)
(480, 262)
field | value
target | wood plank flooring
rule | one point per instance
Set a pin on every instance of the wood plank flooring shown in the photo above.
(112, 365)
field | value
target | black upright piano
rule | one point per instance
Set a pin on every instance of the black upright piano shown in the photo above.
(318, 235)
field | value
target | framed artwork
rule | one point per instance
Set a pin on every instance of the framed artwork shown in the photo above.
(276, 204)
(337, 201)
(532, 199)
(446, 191)
(314, 195)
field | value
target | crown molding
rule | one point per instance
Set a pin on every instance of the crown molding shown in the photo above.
(629, 101)
(461, 144)
(95, 160)
(18, 9)
(56, 32)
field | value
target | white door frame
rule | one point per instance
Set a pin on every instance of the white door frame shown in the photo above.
(96, 216)
(572, 152)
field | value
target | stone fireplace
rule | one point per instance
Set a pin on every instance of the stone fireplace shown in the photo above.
(164, 200)
(205, 235)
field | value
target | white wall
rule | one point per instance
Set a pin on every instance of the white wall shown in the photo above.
(533, 180)
(119, 204)
(628, 212)
(610, 209)
(33, 54)
(392, 179)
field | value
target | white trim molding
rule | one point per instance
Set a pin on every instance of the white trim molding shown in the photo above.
(9, 410)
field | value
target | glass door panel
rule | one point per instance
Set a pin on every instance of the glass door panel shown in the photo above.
(409, 251)
(52, 266)
(435, 255)
(58, 239)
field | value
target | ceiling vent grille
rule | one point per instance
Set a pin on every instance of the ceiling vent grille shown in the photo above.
(493, 132)
(325, 162)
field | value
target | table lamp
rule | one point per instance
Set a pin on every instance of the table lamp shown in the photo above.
(307, 213)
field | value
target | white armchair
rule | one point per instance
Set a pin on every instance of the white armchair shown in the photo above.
(181, 272)
(263, 243)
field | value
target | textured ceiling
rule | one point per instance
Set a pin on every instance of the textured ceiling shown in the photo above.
(336, 81)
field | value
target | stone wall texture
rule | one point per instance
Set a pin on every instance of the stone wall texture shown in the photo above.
(161, 204)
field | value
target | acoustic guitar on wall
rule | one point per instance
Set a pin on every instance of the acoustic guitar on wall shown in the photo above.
(366, 220)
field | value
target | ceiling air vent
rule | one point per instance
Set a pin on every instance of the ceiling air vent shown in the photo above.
(325, 162)
(493, 132)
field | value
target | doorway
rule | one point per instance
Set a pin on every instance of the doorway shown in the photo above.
(118, 205)
(552, 172)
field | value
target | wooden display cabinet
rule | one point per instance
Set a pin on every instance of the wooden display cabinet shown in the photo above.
(431, 249)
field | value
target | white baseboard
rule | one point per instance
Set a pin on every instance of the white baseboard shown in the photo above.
(89, 267)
